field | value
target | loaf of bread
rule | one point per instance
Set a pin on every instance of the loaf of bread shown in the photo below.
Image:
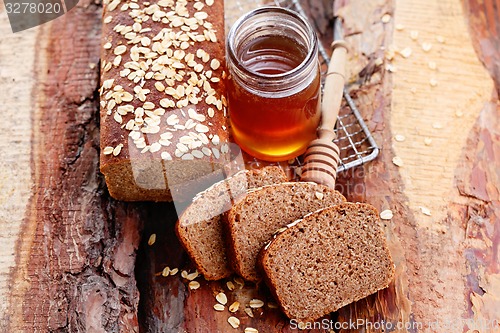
(163, 110)
(252, 221)
(327, 260)
(200, 228)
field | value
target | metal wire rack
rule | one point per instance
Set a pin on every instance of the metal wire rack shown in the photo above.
(355, 141)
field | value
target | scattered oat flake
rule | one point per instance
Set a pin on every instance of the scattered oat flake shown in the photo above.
(427, 141)
(251, 330)
(215, 64)
(192, 276)
(152, 239)
(117, 150)
(437, 125)
(432, 65)
(221, 298)
(400, 27)
(440, 39)
(413, 90)
(386, 18)
(386, 214)
(233, 321)
(200, 15)
(234, 307)
(219, 307)
(249, 312)
(399, 138)
(414, 34)
(118, 118)
(193, 285)
(319, 195)
(108, 150)
(201, 128)
(211, 112)
(165, 271)
(239, 281)
(397, 161)
(390, 53)
(433, 82)
(391, 68)
(256, 303)
(426, 47)
(230, 285)
(425, 211)
(120, 49)
(406, 52)
(459, 113)
(166, 156)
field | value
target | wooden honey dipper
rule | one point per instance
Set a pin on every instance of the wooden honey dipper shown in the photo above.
(322, 156)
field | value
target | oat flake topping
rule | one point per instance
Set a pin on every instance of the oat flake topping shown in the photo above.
(161, 60)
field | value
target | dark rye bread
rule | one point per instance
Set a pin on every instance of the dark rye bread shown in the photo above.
(162, 105)
(200, 229)
(327, 260)
(254, 219)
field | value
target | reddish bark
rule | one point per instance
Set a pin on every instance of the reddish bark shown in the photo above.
(75, 260)
(478, 178)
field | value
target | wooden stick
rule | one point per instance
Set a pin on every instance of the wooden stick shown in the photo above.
(322, 157)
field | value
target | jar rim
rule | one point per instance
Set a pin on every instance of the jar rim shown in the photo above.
(311, 34)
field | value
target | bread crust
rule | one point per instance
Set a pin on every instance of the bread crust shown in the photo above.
(186, 242)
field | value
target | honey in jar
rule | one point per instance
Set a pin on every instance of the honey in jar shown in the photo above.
(274, 83)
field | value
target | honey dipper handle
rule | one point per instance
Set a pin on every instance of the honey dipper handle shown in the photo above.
(333, 90)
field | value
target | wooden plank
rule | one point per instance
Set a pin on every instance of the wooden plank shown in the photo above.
(445, 264)
(448, 114)
(69, 252)
(445, 114)
(480, 183)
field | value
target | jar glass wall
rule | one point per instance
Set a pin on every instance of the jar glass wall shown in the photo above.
(274, 83)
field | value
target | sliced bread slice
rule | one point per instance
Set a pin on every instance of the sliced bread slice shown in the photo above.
(254, 219)
(199, 228)
(327, 260)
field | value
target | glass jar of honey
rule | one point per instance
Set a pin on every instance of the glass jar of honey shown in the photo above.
(273, 83)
